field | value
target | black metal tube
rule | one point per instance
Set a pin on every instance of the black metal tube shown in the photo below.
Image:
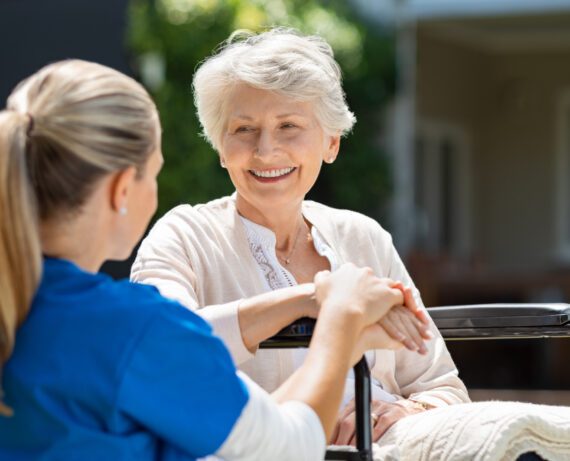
(362, 397)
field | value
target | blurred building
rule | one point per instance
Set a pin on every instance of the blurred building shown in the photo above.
(481, 144)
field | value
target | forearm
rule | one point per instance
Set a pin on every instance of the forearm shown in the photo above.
(267, 430)
(262, 316)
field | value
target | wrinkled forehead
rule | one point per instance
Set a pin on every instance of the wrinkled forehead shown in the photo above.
(245, 101)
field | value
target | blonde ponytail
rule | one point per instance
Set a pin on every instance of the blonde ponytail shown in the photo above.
(65, 127)
(20, 253)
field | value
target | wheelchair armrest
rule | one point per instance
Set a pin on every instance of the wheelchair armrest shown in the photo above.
(502, 321)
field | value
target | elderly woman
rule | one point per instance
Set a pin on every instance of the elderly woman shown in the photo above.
(273, 108)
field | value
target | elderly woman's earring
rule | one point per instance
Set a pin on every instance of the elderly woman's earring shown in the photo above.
(123, 211)
(222, 163)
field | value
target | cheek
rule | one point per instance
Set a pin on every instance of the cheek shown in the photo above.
(237, 150)
(149, 201)
(153, 197)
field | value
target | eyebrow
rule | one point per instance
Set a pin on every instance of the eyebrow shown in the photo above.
(242, 117)
(280, 116)
(291, 114)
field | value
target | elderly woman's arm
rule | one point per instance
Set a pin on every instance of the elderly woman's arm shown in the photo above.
(163, 261)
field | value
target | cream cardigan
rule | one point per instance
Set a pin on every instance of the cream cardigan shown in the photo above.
(200, 256)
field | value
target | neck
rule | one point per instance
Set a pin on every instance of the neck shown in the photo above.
(75, 239)
(284, 222)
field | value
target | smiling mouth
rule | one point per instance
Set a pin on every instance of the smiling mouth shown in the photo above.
(272, 174)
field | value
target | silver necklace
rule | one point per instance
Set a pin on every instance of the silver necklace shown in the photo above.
(287, 259)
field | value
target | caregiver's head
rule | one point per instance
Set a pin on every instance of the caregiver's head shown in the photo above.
(73, 134)
(273, 107)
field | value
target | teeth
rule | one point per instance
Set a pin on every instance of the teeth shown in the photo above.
(272, 173)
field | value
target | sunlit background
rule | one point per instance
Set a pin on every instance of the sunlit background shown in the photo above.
(461, 149)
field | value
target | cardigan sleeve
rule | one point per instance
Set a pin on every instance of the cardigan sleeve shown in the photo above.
(163, 260)
(431, 378)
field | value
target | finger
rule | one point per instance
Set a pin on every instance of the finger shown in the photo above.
(393, 321)
(379, 406)
(410, 324)
(352, 441)
(395, 298)
(346, 430)
(321, 276)
(402, 321)
(422, 328)
(410, 303)
(391, 329)
(397, 285)
(384, 423)
(348, 409)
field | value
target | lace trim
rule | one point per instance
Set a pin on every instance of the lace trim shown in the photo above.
(266, 267)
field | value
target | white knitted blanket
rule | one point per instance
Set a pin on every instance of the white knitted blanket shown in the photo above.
(481, 431)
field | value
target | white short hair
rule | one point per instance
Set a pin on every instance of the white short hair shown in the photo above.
(281, 60)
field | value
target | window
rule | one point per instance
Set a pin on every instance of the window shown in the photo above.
(442, 189)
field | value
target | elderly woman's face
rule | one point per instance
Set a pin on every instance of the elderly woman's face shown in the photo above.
(273, 147)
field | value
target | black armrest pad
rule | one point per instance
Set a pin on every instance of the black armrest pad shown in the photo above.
(500, 315)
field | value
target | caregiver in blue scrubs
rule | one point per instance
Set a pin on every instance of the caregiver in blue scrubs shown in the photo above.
(94, 369)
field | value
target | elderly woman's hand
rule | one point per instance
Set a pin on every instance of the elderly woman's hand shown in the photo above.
(384, 415)
(406, 325)
(409, 323)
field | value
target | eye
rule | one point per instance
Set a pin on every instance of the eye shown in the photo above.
(243, 129)
(288, 125)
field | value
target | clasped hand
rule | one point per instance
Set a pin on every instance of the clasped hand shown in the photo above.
(389, 317)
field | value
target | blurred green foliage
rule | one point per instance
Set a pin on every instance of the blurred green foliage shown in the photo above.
(168, 38)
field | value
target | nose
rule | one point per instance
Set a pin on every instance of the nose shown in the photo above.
(265, 144)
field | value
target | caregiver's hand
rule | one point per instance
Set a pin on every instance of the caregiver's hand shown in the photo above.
(357, 291)
(384, 415)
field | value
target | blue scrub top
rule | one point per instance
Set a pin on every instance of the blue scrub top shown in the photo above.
(106, 370)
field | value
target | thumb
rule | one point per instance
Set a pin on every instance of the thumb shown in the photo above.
(321, 276)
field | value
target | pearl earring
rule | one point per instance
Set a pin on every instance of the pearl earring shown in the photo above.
(123, 211)
(222, 163)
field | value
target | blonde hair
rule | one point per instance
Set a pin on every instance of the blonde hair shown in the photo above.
(63, 128)
(281, 60)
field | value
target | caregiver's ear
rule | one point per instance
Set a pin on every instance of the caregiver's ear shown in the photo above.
(332, 149)
(121, 185)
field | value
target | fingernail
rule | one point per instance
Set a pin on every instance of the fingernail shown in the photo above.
(429, 334)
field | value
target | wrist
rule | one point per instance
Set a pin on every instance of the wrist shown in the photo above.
(306, 305)
(349, 315)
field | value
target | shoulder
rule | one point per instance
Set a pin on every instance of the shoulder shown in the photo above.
(143, 304)
(344, 222)
(190, 219)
